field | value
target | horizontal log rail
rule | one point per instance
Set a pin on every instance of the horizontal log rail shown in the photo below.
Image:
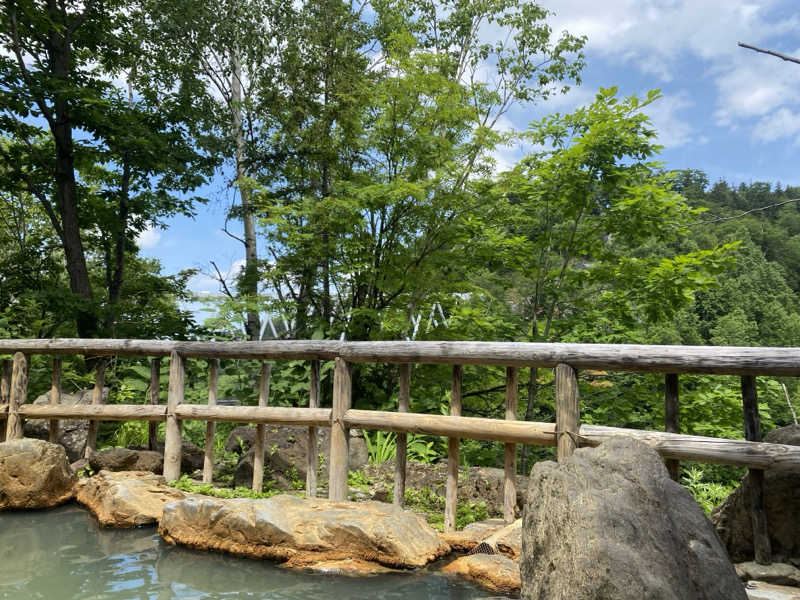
(567, 433)
(720, 360)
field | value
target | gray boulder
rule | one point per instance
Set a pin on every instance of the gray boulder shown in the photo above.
(781, 503)
(34, 474)
(609, 523)
(191, 456)
(71, 433)
(125, 459)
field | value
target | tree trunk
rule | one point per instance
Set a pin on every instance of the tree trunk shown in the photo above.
(59, 49)
(248, 284)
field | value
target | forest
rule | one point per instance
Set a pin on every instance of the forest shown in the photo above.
(361, 140)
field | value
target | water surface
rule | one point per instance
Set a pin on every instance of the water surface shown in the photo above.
(63, 554)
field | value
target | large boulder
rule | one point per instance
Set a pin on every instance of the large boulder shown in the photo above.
(781, 503)
(125, 459)
(126, 498)
(285, 453)
(71, 433)
(302, 531)
(610, 523)
(34, 474)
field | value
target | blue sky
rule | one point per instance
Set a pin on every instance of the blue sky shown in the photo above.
(728, 111)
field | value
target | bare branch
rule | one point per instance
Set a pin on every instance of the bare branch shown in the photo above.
(221, 278)
(785, 57)
(747, 212)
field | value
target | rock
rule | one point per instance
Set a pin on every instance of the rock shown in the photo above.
(610, 523)
(494, 572)
(126, 498)
(124, 459)
(288, 528)
(348, 567)
(757, 590)
(476, 484)
(71, 433)
(777, 573)
(192, 457)
(285, 455)
(781, 503)
(472, 535)
(34, 474)
(79, 465)
(493, 535)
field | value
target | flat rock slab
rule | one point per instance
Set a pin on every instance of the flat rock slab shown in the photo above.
(126, 498)
(34, 474)
(776, 573)
(494, 572)
(287, 528)
(757, 590)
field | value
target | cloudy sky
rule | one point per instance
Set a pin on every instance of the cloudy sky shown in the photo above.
(729, 111)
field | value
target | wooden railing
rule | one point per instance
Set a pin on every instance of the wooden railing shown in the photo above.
(566, 433)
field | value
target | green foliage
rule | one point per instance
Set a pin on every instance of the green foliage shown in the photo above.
(187, 485)
(131, 433)
(358, 479)
(381, 446)
(707, 494)
(431, 505)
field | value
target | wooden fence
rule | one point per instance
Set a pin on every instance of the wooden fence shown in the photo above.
(566, 433)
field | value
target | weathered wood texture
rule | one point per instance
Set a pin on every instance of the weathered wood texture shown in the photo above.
(104, 412)
(752, 432)
(5, 395)
(451, 489)
(97, 400)
(280, 415)
(155, 387)
(312, 462)
(567, 411)
(671, 423)
(211, 426)
(172, 438)
(476, 428)
(55, 398)
(740, 453)
(623, 357)
(17, 397)
(510, 475)
(261, 431)
(403, 399)
(342, 392)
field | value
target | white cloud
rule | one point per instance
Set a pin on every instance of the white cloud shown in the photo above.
(783, 123)
(658, 37)
(148, 238)
(673, 130)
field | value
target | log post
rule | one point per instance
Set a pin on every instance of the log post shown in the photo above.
(510, 478)
(567, 411)
(97, 399)
(402, 439)
(155, 386)
(261, 429)
(342, 393)
(5, 393)
(311, 454)
(451, 491)
(172, 438)
(211, 426)
(18, 395)
(55, 399)
(752, 431)
(671, 422)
